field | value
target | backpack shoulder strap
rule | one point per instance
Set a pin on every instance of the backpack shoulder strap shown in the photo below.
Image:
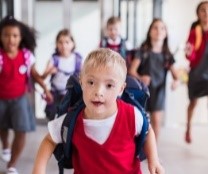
(63, 151)
(78, 63)
(104, 42)
(55, 60)
(123, 43)
(68, 127)
(123, 48)
(71, 104)
(140, 139)
(72, 96)
(137, 94)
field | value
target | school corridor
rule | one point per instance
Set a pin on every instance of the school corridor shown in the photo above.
(176, 156)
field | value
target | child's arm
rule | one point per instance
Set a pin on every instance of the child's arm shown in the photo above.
(174, 72)
(133, 72)
(44, 153)
(50, 69)
(133, 68)
(40, 81)
(150, 149)
(175, 75)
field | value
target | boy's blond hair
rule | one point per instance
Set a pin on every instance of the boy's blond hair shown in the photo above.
(102, 58)
(113, 20)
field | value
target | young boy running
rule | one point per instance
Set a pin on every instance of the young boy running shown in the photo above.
(106, 126)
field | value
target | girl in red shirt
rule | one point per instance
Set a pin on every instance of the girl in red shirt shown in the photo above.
(197, 54)
(17, 44)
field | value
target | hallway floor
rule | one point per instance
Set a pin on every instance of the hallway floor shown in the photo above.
(176, 156)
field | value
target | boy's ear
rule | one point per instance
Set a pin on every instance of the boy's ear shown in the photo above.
(122, 88)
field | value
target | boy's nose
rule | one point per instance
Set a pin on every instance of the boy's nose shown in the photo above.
(99, 92)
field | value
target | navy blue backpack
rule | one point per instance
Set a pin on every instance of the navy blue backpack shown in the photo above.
(135, 93)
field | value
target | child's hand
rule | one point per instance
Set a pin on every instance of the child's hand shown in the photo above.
(156, 168)
(145, 79)
(53, 70)
(48, 97)
(189, 49)
(175, 84)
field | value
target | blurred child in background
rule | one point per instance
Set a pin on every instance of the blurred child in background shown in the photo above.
(151, 63)
(63, 63)
(197, 54)
(113, 38)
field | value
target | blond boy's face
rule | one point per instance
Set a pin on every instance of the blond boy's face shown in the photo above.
(113, 30)
(101, 87)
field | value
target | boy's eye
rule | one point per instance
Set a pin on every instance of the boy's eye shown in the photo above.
(109, 85)
(90, 82)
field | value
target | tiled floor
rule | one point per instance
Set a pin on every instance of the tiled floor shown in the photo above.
(176, 156)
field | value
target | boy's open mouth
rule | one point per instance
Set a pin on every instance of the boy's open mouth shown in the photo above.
(97, 103)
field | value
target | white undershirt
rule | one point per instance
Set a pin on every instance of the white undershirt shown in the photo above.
(118, 41)
(97, 130)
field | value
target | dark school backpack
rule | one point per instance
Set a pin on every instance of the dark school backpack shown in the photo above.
(130, 55)
(135, 93)
(122, 47)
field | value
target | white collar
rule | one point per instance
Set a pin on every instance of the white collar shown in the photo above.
(116, 42)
